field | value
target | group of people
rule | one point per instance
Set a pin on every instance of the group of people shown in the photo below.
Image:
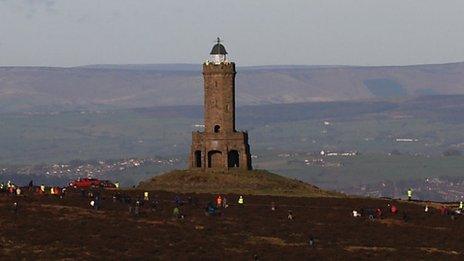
(377, 213)
(56, 191)
(136, 204)
(444, 210)
(10, 188)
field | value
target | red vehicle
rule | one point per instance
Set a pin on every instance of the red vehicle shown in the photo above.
(91, 183)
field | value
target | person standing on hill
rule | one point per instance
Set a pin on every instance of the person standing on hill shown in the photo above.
(97, 202)
(137, 208)
(153, 205)
(290, 215)
(444, 210)
(11, 190)
(176, 212)
(240, 201)
(210, 209)
(405, 216)
(177, 200)
(409, 194)
(311, 241)
(15, 208)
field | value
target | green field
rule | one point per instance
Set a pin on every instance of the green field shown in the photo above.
(61, 137)
(66, 136)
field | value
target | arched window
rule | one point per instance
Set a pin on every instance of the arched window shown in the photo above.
(234, 159)
(198, 158)
(217, 128)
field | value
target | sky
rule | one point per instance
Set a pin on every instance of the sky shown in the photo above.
(260, 32)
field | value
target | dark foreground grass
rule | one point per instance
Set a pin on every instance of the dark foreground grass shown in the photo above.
(51, 228)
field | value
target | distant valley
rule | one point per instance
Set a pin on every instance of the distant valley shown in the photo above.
(403, 124)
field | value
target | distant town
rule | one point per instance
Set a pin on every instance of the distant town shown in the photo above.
(90, 169)
(431, 188)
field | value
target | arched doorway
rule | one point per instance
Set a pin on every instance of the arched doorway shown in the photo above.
(214, 159)
(217, 128)
(198, 158)
(234, 159)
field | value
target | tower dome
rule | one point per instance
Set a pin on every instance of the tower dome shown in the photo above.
(218, 53)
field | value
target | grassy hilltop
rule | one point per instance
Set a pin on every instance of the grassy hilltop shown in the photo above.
(256, 182)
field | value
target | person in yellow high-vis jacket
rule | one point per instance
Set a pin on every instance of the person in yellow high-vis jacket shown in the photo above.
(410, 194)
(240, 201)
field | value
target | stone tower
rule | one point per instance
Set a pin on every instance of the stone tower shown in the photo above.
(220, 146)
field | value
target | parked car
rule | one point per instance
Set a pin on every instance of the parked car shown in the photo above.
(91, 183)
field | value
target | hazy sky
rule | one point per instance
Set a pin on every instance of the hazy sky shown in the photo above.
(353, 32)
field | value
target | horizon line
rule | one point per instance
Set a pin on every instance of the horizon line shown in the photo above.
(199, 65)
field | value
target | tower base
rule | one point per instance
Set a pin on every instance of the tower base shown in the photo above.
(214, 151)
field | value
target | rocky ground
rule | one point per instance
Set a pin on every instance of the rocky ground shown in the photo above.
(48, 227)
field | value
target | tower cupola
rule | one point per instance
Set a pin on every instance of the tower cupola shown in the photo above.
(218, 53)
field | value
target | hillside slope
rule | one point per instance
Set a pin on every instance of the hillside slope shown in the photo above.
(256, 182)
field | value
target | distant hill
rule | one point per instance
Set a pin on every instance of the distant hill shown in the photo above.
(133, 86)
(175, 67)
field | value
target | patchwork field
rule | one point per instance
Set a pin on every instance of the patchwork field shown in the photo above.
(433, 124)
